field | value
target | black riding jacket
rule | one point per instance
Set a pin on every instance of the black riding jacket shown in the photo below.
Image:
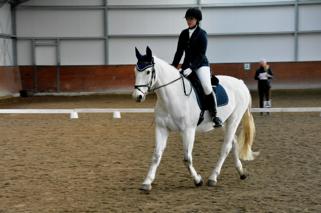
(263, 83)
(261, 70)
(194, 48)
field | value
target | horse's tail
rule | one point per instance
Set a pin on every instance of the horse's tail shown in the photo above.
(246, 136)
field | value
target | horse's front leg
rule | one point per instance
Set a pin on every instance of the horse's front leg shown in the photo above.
(188, 137)
(161, 134)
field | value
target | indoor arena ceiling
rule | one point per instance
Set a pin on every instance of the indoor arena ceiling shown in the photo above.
(13, 2)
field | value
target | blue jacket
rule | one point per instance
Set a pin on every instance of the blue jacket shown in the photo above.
(194, 48)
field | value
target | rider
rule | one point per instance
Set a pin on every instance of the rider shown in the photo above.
(193, 41)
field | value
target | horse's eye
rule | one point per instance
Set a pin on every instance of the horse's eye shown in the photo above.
(148, 72)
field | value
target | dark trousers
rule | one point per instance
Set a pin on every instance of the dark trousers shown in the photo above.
(264, 91)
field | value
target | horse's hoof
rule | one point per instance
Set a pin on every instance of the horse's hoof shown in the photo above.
(200, 183)
(146, 187)
(211, 183)
(243, 177)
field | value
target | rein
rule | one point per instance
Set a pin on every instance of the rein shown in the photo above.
(173, 81)
(161, 86)
(164, 85)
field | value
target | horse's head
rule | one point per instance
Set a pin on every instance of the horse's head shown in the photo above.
(144, 75)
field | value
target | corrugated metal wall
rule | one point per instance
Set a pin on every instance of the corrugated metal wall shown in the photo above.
(62, 33)
(106, 32)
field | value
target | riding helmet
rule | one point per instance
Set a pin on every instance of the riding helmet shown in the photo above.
(194, 12)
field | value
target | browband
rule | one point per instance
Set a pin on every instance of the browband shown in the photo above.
(140, 67)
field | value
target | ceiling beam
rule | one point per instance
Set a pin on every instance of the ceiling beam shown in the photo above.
(2, 2)
(13, 2)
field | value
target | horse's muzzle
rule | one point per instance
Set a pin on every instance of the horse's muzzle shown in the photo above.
(138, 96)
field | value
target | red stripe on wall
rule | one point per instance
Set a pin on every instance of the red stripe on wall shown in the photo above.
(112, 77)
(10, 81)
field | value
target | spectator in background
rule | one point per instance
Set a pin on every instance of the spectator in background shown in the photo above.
(264, 75)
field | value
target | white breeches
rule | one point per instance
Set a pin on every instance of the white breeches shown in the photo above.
(204, 75)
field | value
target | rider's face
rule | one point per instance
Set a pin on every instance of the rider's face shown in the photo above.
(191, 22)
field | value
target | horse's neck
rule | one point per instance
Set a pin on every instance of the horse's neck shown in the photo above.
(165, 75)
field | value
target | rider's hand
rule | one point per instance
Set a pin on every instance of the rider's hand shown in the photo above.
(186, 72)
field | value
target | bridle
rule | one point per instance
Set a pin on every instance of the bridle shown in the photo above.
(153, 78)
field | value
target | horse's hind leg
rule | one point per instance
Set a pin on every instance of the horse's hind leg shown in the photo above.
(237, 161)
(231, 127)
(188, 137)
(161, 140)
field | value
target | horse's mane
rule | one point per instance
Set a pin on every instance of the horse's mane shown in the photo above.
(164, 64)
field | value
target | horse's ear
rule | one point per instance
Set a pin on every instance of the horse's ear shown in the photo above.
(149, 52)
(138, 55)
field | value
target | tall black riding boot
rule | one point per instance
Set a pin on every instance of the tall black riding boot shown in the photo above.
(212, 109)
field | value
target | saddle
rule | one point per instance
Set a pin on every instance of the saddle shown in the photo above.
(219, 92)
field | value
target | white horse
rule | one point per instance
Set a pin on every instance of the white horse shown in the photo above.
(177, 110)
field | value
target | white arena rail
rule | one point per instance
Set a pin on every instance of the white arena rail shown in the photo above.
(36, 111)
(289, 109)
(116, 111)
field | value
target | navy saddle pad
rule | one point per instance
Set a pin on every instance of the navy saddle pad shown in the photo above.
(219, 91)
(221, 95)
